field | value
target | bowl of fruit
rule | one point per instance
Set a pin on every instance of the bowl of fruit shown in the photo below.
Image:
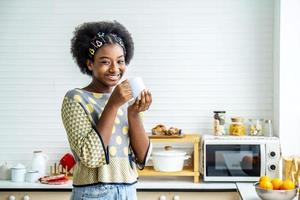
(275, 189)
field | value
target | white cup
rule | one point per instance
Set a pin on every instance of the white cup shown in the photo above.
(137, 86)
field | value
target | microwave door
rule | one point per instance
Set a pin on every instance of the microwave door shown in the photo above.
(234, 162)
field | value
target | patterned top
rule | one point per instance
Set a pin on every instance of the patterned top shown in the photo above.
(95, 164)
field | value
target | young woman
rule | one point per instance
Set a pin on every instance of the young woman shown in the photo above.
(106, 135)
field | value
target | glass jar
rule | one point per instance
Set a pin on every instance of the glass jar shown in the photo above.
(219, 123)
(256, 127)
(268, 128)
(237, 127)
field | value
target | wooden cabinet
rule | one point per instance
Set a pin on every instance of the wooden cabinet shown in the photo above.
(188, 196)
(31, 195)
(192, 170)
(59, 195)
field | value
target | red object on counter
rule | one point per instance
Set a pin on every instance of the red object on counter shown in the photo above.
(67, 161)
(54, 180)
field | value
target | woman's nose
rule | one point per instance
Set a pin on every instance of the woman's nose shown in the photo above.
(113, 67)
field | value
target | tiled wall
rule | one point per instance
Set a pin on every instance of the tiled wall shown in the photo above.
(195, 56)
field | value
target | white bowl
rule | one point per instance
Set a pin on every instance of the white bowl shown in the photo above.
(275, 194)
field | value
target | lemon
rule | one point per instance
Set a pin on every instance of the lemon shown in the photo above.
(264, 178)
(266, 184)
(276, 182)
(287, 185)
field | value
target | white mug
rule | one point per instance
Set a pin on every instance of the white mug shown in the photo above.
(137, 86)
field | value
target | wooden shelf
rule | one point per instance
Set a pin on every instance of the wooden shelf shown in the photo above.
(187, 170)
(186, 138)
(149, 171)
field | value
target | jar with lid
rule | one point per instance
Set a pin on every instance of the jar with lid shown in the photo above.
(256, 127)
(268, 128)
(219, 123)
(237, 127)
(39, 163)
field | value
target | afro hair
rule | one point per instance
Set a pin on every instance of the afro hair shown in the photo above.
(84, 34)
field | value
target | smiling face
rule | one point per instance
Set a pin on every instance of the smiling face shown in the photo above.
(108, 67)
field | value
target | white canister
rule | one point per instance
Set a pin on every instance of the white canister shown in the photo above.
(39, 163)
(32, 176)
(18, 173)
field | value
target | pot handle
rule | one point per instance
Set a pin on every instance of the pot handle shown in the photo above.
(187, 157)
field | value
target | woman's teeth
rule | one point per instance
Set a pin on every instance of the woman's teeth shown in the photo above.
(113, 77)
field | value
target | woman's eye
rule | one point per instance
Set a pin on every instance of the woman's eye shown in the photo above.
(121, 62)
(105, 62)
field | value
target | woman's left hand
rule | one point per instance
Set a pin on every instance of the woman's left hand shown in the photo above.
(142, 103)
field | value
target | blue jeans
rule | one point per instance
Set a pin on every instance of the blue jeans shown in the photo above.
(105, 191)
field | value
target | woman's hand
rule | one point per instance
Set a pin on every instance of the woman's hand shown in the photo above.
(120, 95)
(142, 103)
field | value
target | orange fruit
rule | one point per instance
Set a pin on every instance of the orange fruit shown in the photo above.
(287, 185)
(276, 182)
(265, 184)
(264, 178)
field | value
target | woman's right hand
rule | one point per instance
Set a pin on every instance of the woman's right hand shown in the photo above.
(120, 95)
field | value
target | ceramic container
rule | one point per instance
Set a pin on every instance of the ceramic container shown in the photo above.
(18, 173)
(169, 160)
(39, 163)
(32, 176)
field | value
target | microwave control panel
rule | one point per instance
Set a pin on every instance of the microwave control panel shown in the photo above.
(273, 155)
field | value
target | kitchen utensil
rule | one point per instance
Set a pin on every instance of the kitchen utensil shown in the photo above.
(275, 194)
(39, 163)
(5, 172)
(18, 173)
(169, 160)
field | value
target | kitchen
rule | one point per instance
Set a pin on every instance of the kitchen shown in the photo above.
(196, 57)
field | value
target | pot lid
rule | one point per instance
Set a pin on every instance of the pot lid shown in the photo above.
(18, 166)
(168, 151)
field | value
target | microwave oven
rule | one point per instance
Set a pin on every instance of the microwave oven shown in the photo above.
(239, 158)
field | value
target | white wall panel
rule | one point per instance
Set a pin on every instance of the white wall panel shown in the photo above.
(195, 56)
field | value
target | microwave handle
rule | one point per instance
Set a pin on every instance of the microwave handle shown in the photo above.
(263, 160)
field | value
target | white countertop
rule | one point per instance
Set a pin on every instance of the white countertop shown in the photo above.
(143, 183)
(246, 190)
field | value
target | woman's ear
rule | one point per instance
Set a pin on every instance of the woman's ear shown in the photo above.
(89, 64)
